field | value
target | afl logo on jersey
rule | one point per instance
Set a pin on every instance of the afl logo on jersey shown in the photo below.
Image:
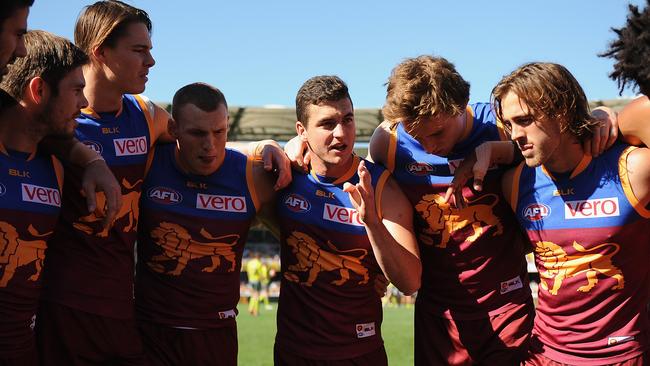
(297, 203)
(164, 196)
(3, 189)
(95, 146)
(419, 169)
(536, 211)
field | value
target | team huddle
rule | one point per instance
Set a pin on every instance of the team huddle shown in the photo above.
(449, 200)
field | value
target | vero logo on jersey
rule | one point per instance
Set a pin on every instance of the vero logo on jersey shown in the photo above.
(297, 203)
(3, 189)
(130, 146)
(591, 209)
(42, 195)
(95, 146)
(215, 202)
(165, 196)
(342, 215)
(536, 211)
(419, 169)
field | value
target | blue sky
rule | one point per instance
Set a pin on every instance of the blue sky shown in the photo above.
(259, 52)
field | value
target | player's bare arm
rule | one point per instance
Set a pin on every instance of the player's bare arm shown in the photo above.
(379, 143)
(391, 235)
(633, 122)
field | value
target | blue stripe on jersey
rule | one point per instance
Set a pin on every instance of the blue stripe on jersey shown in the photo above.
(122, 139)
(413, 165)
(221, 195)
(593, 199)
(29, 185)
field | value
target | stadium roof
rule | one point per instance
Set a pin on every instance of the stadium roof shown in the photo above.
(279, 123)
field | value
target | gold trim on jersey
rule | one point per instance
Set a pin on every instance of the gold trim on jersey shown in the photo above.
(582, 165)
(250, 181)
(514, 194)
(627, 187)
(379, 190)
(392, 148)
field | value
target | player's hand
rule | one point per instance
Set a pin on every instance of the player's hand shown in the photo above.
(298, 153)
(362, 196)
(97, 177)
(474, 166)
(381, 285)
(274, 159)
(605, 134)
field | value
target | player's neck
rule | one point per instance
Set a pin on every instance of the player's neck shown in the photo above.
(325, 169)
(567, 156)
(102, 94)
(19, 131)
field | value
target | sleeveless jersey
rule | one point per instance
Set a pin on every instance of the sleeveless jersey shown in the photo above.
(592, 245)
(90, 269)
(30, 201)
(328, 308)
(190, 242)
(473, 262)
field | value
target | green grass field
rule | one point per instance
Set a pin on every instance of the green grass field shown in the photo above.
(256, 336)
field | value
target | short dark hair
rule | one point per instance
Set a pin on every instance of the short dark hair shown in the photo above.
(550, 91)
(324, 88)
(206, 97)
(48, 56)
(8, 8)
(631, 51)
(104, 22)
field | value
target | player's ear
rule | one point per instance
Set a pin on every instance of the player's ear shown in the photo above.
(301, 130)
(172, 128)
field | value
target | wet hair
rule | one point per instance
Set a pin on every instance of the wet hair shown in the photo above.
(48, 56)
(105, 22)
(206, 97)
(423, 87)
(551, 92)
(319, 89)
(631, 51)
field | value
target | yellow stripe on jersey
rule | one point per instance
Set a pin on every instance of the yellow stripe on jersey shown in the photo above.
(251, 183)
(58, 170)
(148, 108)
(627, 187)
(379, 190)
(392, 148)
(514, 195)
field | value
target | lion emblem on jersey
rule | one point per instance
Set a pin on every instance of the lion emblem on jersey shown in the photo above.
(15, 252)
(130, 210)
(314, 260)
(178, 245)
(446, 221)
(560, 266)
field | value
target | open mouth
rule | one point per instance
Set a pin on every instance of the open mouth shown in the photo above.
(339, 147)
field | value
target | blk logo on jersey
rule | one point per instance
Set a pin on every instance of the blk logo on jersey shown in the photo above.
(42, 195)
(297, 203)
(3, 189)
(130, 146)
(342, 215)
(591, 209)
(164, 196)
(536, 211)
(419, 169)
(215, 202)
(511, 285)
(95, 146)
(365, 330)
